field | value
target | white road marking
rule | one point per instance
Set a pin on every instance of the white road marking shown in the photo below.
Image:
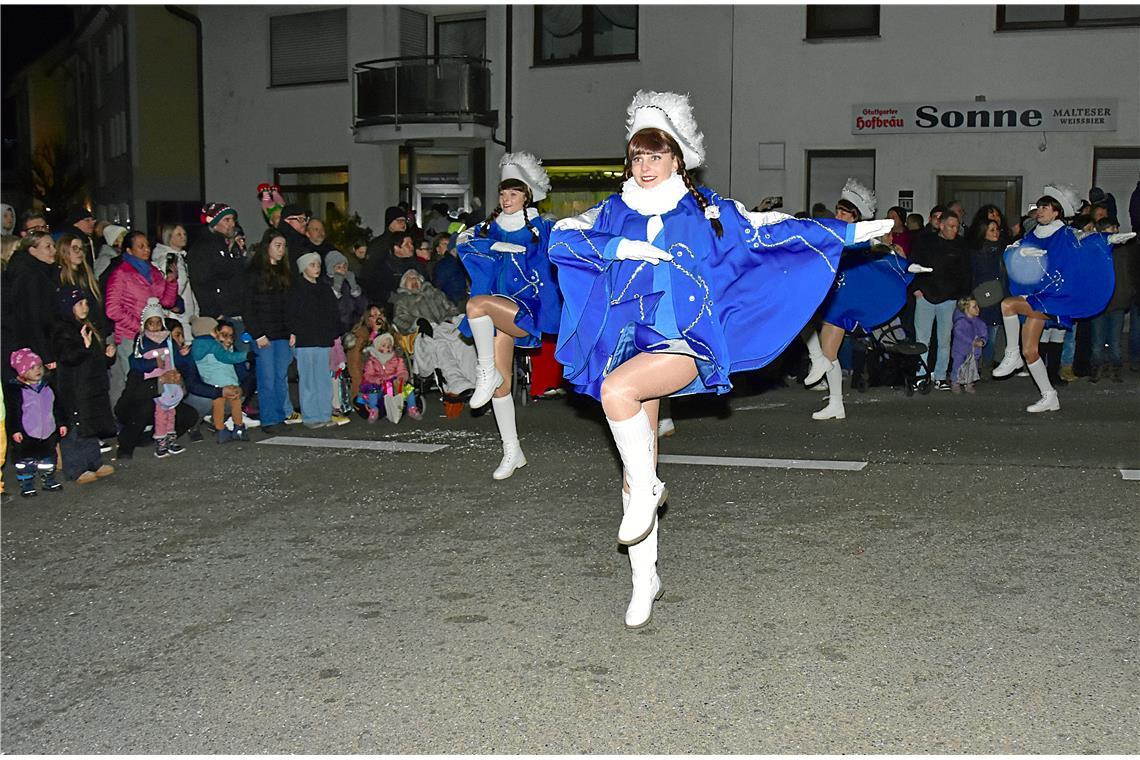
(332, 443)
(1130, 474)
(793, 464)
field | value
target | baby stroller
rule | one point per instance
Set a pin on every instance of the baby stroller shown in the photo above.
(892, 359)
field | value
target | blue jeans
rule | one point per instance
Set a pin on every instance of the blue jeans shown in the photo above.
(926, 315)
(1069, 347)
(1107, 330)
(315, 383)
(273, 381)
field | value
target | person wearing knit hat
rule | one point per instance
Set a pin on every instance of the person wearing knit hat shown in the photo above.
(82, 388)
(350, 299)
(1053, 275)
(214, 213)
(313, 320)
(514, 298)
(395, 219)
(202, 326)
(668, 288)
(870, 289)
(30, 421)
(109, 252)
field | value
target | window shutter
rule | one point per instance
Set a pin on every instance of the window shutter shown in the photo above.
(306, 48)
(413, 33)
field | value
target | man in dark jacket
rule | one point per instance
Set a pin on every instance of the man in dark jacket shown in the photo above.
(217, 265)
(81, 223)
(294, 220)
(384, 272)
(937, 292)
(372, 271)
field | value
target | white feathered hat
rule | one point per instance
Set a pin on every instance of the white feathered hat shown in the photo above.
(1066, 195)
(526, 169)
(862, 197)
(671, 113)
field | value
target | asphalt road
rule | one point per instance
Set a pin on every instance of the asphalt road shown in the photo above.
(972, 590)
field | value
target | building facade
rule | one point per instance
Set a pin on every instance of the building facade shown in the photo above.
(357, 107)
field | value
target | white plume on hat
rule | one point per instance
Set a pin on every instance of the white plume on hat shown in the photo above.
(1067, 195)
(526, 168)
(862, 197)
(671, 113)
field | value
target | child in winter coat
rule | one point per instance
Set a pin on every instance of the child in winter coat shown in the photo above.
(969, 336)
(82, 387)
(312, 317)
(215, 358)
(350, 299)
(31, 418)
(154, 356)
(384, 373)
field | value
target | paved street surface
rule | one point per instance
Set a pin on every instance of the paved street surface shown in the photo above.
(972, 589)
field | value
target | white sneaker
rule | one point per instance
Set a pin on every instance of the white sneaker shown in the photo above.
(487, 381)
(1047, 403)
(294, 419)
(666, 428)
(640, 608)
(1010, 363)
(642, 513)
(830, 412)
(512, 460)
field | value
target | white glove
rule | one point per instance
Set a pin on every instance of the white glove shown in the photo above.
(918, 269)
(465, 236)
(1117, 238)
(508, 248)
(1031, 252)
(639, 250)
(865, 231)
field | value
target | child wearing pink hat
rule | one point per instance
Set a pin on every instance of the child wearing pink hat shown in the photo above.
(30, 411)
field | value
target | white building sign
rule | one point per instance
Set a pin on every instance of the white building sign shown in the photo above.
(1069, 115)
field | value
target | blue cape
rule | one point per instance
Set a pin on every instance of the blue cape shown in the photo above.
(1072, 278)
(527, 278)
(870, 289)
(732, 303)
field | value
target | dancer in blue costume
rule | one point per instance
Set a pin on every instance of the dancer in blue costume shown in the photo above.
(512, 292)
(870, 288)
(1055, 272)
(668, 288)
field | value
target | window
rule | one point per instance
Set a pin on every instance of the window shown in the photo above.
(584, 33)
(315, 187)
(1017, 17)
(830, 21)
(461, 36)
(828, 170)
(308, 48)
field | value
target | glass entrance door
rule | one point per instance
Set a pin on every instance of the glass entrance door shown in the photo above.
(975, 192)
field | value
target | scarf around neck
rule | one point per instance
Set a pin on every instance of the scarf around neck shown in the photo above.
(656, 200)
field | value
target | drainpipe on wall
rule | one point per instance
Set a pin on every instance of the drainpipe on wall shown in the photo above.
(509, 66)
(197, 22)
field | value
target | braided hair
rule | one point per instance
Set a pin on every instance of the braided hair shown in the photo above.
(512, 184)
(653, 140)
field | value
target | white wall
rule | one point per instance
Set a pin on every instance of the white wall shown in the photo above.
(784, 89)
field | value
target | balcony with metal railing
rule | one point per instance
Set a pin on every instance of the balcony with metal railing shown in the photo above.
(423, 90)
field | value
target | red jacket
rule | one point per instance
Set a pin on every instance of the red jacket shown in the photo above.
(127, 294)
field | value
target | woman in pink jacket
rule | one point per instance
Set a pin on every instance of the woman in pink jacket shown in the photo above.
(131, 283)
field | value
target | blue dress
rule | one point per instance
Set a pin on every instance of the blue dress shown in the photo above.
(1065, 275)
(732, 303)
(527, 278)
(870, 289)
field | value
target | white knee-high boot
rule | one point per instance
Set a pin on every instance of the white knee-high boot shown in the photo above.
(1049, 402)
(647, 586)
(819, 363)
(635, 440)
(513, 458)
(487, 377)
(834, 409)
(1011, 361)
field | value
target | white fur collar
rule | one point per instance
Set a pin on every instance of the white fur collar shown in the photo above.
(657, 200)
(514, 222)
(1045, 230)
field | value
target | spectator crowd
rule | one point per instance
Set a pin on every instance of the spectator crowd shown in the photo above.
(114, 333)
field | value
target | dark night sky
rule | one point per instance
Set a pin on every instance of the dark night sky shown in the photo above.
(50, 23)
